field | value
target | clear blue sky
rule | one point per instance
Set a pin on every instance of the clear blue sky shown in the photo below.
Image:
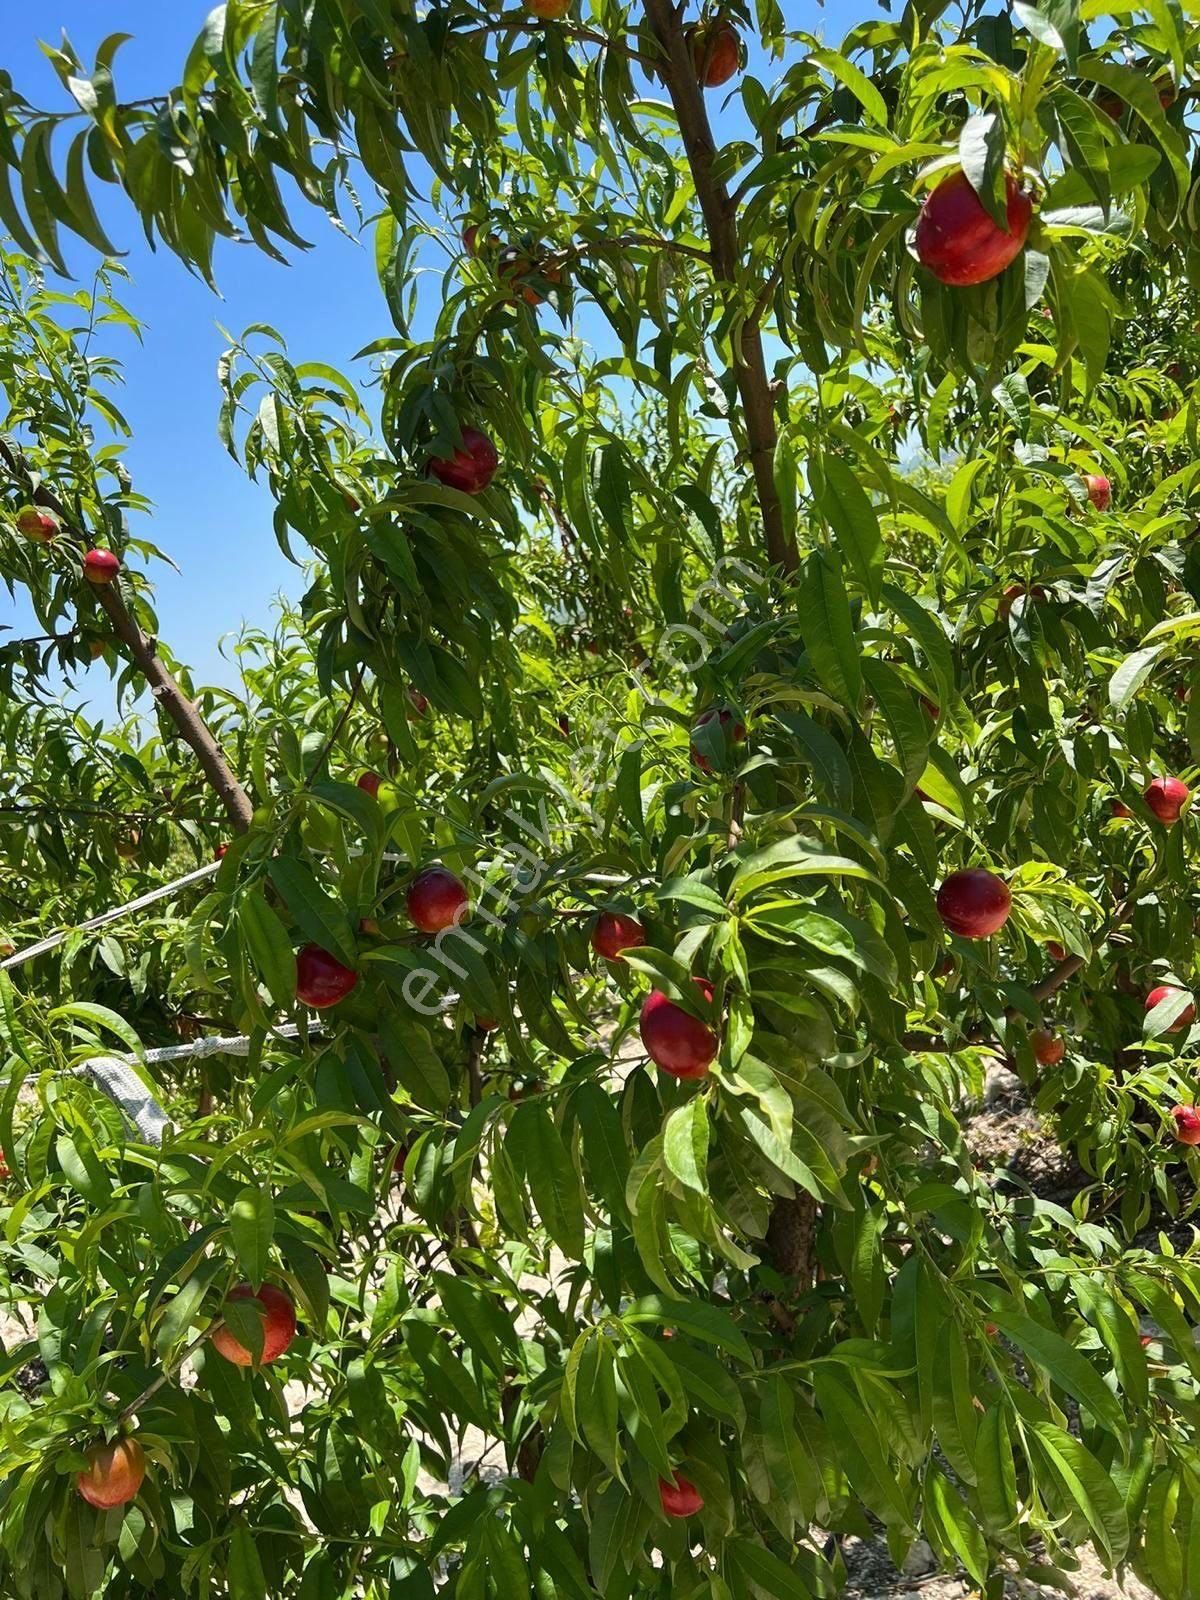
(214, 523)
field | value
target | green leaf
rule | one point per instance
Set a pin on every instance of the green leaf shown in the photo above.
(857, 1442)
(706, 1322)
(252, 1228)
(859, 85)
(795, 1481)
(1052, 1357)
(685, 1144)
(1091, 1488)
(824, 611)
(995, 1473)
(320, 917)
(958, 1528)
(981, 156)
(1042, 29)
(536, 1148)
(643, 1409)
(615, 1517)
(596, 1403)
(1131, 675)
(794, 857)
(706, 1381)
(763, 1571)
(177, 1318)
(101, 1017)
(906, 723)
(845, 505)
(269, 946)
(243, 1570)
(930, 636)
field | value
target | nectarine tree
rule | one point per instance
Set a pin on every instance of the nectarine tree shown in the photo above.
(744, 690)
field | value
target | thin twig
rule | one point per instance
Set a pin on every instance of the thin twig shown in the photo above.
(474, 1057)
(40, 638)
(337, 728)
(737, 806)
(571, 30)
(563, 258)
(166, 692)
(100, 811)
(167, 1373)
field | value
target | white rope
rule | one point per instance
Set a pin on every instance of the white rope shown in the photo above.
(237, 1045)
(129, 1094)
(115, 1075)
(52, 942)
(55, 939)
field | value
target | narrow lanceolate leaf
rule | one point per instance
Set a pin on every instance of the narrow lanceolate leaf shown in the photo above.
(859, 85)
(685, 1144)
(252, 1227)
(708, 1323)
(823, 607)
(643, 1409)
(847, 507)
(1088, 1485)
(794, 1477)
(858, 1444)
(614, 1516)
(959, 1531)
(1053, 1358)
(995, 1472)
(247, 1581)
(535, 1145)
(765, 1573)
(1131, 675)
(319, 915)
(795, 857)
(596, 1403)
(269, 946)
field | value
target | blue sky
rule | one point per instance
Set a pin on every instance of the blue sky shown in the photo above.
(212, 522)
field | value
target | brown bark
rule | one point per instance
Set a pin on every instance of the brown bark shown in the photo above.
(790, 1237)
(720, 217)
(793, 1222)
(166, 692)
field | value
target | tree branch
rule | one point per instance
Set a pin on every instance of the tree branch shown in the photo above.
(720, 216)
(1061, 973)
(167, 1373)
(355, 686)
(563, 258)
(166, 692)
(97, 811)
(571, 30)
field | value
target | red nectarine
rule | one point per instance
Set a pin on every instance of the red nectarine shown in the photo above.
(615, 932)
(114, 1473)
(974, 903)
(321, 979)
(957, 239)
(279, 1325)
(676, 1041)
(436, 899)
(472, 466)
